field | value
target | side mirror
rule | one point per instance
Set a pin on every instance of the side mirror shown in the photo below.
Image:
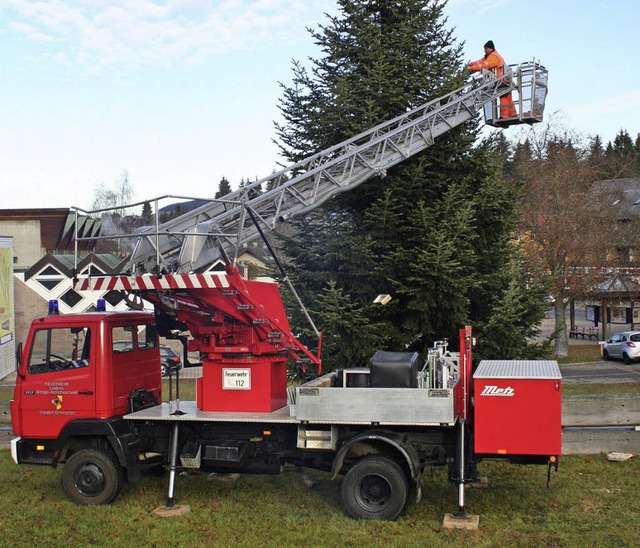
(18, 355)
(19, 360)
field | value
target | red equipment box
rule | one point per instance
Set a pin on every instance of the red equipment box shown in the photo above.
(253, 385)
(518, 408)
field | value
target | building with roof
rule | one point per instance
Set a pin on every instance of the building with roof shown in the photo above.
(618, 292)
(37, 232)
(44, 265)
(44, 237)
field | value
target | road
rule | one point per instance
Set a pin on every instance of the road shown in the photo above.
(600, 372)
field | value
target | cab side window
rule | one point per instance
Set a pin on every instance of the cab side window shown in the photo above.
(59, 349)
(147, 337)
(122, 339)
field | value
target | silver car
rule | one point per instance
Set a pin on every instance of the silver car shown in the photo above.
(624, 345)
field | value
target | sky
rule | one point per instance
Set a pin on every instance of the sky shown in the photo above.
(180, 93)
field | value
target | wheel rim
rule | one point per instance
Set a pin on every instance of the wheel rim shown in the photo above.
(374, 493)
(90, 480)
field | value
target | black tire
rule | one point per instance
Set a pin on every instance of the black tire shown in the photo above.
(92, 476)
(375, 488)
(625, 357)
(605, 355)
(165, 370)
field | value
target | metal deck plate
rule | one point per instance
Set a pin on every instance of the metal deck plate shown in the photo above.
(184, 411)
(518, 369)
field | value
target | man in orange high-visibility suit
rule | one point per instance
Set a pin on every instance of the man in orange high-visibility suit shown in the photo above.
(492, 60)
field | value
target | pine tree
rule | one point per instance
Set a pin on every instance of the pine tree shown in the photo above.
(435, 231)
(621, 157)
(147, 213)
(252, 193)
(224, 188)
(515, 319)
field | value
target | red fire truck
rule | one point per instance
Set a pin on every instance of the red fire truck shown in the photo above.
(82, 402)
(88, 391)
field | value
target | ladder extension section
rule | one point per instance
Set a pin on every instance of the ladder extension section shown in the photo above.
(191, 242)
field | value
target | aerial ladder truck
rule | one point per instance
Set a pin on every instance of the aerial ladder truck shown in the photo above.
(80, 402)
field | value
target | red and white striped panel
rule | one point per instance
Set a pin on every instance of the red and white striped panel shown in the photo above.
(148, 281)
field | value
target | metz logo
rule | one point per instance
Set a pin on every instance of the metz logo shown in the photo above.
(495, 391)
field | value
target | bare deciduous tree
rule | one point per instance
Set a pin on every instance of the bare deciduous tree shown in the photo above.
(560, 222)
(119, 195)
(117, 220)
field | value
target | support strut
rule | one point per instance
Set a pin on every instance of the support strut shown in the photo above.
(461, 513)
(173, 465)
(171, 508)
(461, 520)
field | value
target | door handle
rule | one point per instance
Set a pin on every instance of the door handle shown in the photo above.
(86, 393)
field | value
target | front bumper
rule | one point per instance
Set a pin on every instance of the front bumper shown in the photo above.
(14, 449)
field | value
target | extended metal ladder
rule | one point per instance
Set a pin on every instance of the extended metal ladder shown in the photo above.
(193, 241)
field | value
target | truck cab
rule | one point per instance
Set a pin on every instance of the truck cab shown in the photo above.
(78, 373)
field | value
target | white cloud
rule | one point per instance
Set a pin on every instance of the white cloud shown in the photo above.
(164, 32)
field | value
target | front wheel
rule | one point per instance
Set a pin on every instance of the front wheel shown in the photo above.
(605, 355)
(92, 476)
(375, 488)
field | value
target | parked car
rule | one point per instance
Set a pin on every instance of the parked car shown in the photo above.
(624, 345)
(169, 360)
(122, 346)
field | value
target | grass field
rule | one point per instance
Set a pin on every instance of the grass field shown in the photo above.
(581, 353)
(592, 502)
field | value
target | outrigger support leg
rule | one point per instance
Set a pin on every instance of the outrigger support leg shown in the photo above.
(461, 520)
(173, 466)
(461, 513)
(170, 508)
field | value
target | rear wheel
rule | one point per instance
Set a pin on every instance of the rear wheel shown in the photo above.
(165, 370)
(375, 488)
(92, 476)
(626, 358)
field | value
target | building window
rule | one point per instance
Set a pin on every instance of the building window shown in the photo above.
(92, 270)
(49, 278)
(114, 298)
(71, 298)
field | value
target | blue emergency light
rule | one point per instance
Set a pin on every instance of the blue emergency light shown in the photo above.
(53, 308)
(101, 305)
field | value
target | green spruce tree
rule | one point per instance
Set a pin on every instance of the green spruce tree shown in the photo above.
(224, 188)
(435, 231)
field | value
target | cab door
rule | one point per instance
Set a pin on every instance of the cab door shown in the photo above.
(57, 382)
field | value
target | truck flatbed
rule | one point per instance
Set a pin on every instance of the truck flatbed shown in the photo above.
(185, 411)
